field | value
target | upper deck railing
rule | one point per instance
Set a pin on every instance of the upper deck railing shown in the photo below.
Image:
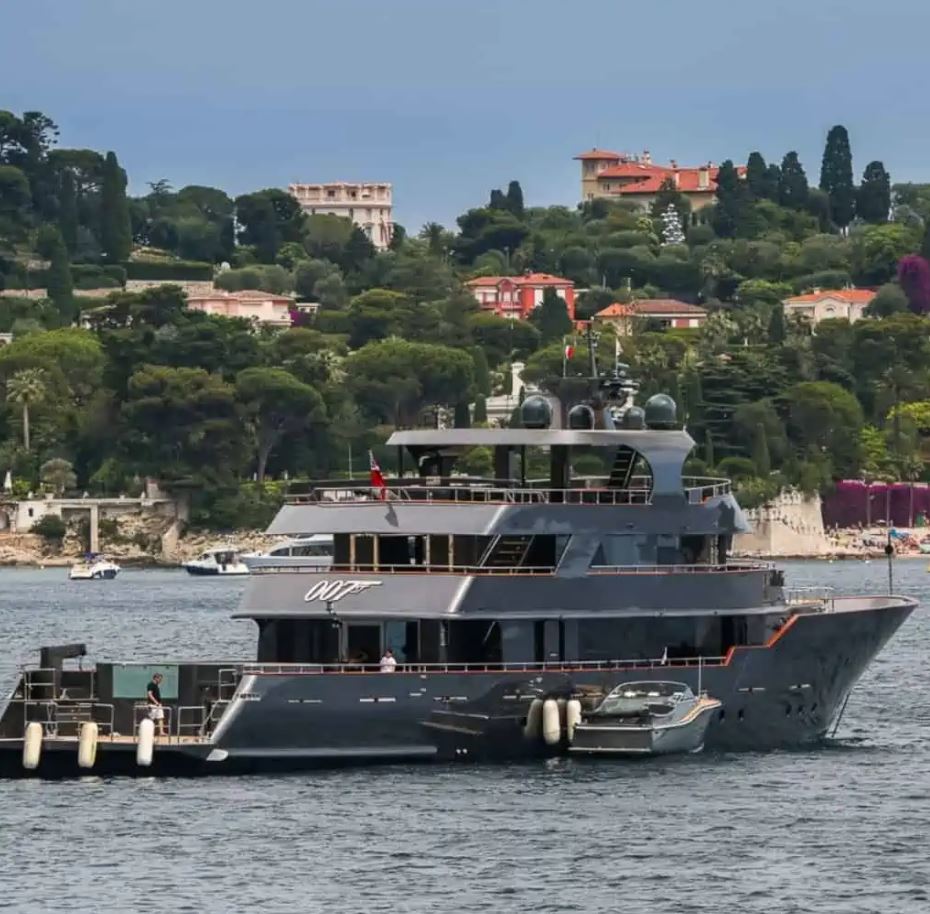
(474, 490)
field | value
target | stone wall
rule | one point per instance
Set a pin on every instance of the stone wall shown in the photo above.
(791, 525)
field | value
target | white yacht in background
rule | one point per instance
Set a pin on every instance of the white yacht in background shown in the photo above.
(220, 560)
(94, 568)
(313, 551)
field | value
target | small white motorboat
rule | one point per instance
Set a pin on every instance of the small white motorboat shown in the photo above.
(314, 551)
(94, 568)
(220, 560)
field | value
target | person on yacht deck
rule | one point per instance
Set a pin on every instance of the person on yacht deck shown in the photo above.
(388, 663)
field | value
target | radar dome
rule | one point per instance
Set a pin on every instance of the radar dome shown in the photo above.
(634, 418)
(581, 416)
(536, 412)
(661, 412)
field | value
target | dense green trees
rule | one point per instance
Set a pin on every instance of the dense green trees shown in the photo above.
(152, 387)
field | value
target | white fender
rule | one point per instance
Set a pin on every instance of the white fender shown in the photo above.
(145, 748)
(533, 725)
(32, 745)
(87, 745)
(551, 726)
(572, 717)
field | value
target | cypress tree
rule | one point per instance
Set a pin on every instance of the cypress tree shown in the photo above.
(777, 331)
(925, 244)
(462, 417)
(514, 199)
(59, 283)
(709, 448)
(115, 225)
(773, 180)
(67, 210)
(760, 451)
(836, 176)
(482, 374)
(733, 201)
(792, 185)
(481, 410)
(874, 198)
(757, 176)
(551, 317)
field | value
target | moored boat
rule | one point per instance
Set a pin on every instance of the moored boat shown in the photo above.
(220, 560)
(464, 618)
(313, 551)
(94, 568)
(645, 718)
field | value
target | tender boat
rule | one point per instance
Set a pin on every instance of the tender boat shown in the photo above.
(645, 718)
(314, 551)
(221, 560)
(94, 568)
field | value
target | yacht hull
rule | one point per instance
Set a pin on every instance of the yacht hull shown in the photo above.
(783, 694)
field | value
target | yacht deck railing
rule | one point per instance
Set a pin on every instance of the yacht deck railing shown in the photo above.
(315, 669)
(382, 568)
(466, 490)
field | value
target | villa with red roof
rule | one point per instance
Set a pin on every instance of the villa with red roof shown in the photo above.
(669, 312)
(620, 176)
(517, 296)
(823, 304)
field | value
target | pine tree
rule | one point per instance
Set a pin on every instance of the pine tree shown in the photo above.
(498, 200)
(671, 226)
(115, 226)
(792, 185)
(59, 283)
(874, 199)
(481, 410)
(836, 176)
(514, 199)
(67, 210)
(777, 332)
(757, 176)
(760, 451)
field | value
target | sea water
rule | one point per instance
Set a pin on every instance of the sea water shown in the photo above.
(842, 828)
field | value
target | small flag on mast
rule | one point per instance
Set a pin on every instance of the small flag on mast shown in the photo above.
(377, 479)
(569, 351)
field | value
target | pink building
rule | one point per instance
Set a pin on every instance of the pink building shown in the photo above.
(252, 304)
(517, 296)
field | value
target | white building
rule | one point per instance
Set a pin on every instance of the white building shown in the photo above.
(367, 205)
(823, 304)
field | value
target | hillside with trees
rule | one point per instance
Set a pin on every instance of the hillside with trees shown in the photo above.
(121, 385)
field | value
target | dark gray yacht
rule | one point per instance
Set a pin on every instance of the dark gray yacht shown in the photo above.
(465, 618)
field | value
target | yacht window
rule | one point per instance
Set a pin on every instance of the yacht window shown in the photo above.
(316, 549)
(477, 641)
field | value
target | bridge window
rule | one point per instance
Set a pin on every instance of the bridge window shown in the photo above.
(626, 549)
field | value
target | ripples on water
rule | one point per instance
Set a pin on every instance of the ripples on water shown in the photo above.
(840, 829)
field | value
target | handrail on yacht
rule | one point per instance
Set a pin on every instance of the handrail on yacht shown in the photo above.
(382, 568)
(315, 669)
(467, 490)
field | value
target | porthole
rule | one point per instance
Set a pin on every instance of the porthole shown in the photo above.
(739, 714)
(722, 715)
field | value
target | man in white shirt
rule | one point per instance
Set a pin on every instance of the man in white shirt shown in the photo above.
(388, 663)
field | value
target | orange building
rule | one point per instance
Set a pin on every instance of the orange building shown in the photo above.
(669, 312)
(517, 296)
(620, 176)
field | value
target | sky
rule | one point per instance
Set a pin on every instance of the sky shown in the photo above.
(449, 98)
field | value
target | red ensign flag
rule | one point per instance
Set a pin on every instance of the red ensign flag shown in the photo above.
(377, 480)
(569, 351)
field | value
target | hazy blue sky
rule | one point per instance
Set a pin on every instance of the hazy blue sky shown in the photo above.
(446, 99)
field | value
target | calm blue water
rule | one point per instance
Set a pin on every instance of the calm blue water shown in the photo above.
(840, 829)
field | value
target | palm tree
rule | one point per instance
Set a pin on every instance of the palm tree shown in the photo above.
(26, 387)
(435, 236)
